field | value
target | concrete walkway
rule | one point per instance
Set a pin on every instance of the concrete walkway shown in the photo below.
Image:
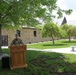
(58, 50)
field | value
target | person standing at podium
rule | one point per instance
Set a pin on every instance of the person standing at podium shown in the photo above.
(17, 40)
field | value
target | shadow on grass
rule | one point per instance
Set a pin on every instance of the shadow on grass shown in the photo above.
(50, 64)
(44, 63)
(54, 44)
(68, 41)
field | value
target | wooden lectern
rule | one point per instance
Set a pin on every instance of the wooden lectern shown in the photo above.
(17, 56)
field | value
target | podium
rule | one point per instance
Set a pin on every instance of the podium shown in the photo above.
(18, 56)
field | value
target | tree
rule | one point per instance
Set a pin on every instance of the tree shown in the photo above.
(74, 32)
(69, 30)
(63, 33)
(50, 29)
(16, 13)
(39, 27)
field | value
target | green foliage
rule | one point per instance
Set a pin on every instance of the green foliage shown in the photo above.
(63, 33)
(18, 13)
(24, 12)
(65, 26)
(74, 31)
(60, 14)
(50, 29)
(69, 11)
(39, 27)
(69, 30)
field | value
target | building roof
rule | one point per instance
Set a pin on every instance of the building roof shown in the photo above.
(64, 21)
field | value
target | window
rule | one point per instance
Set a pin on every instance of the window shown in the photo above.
(18, 32)
(34, 33)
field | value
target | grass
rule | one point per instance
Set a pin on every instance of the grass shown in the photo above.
(58, 44)
(44, 63)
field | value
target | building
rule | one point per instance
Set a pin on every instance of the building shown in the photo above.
(64, 21)
(28, 35)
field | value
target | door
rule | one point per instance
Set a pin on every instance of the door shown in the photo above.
(4, 40)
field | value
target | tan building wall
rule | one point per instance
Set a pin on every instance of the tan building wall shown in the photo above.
(26, 34)
(10, 34)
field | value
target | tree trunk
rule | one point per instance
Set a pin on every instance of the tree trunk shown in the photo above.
(53, 40)
(0, 40)
(69, 38)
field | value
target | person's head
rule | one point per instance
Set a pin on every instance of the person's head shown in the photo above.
(16, 35)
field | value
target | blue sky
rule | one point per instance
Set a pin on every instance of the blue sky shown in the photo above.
(68, 4)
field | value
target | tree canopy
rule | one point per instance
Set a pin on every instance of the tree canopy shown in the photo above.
(25, 12)
(50, 29)
(16, 13)
(69, 30)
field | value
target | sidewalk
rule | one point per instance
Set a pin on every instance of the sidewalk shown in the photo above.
(58, 50)
(62, 50)
(4, 46)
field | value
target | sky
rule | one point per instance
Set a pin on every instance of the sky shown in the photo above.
(68, 4)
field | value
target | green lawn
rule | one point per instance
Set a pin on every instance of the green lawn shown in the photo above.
(44, 63)
(58, 44)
